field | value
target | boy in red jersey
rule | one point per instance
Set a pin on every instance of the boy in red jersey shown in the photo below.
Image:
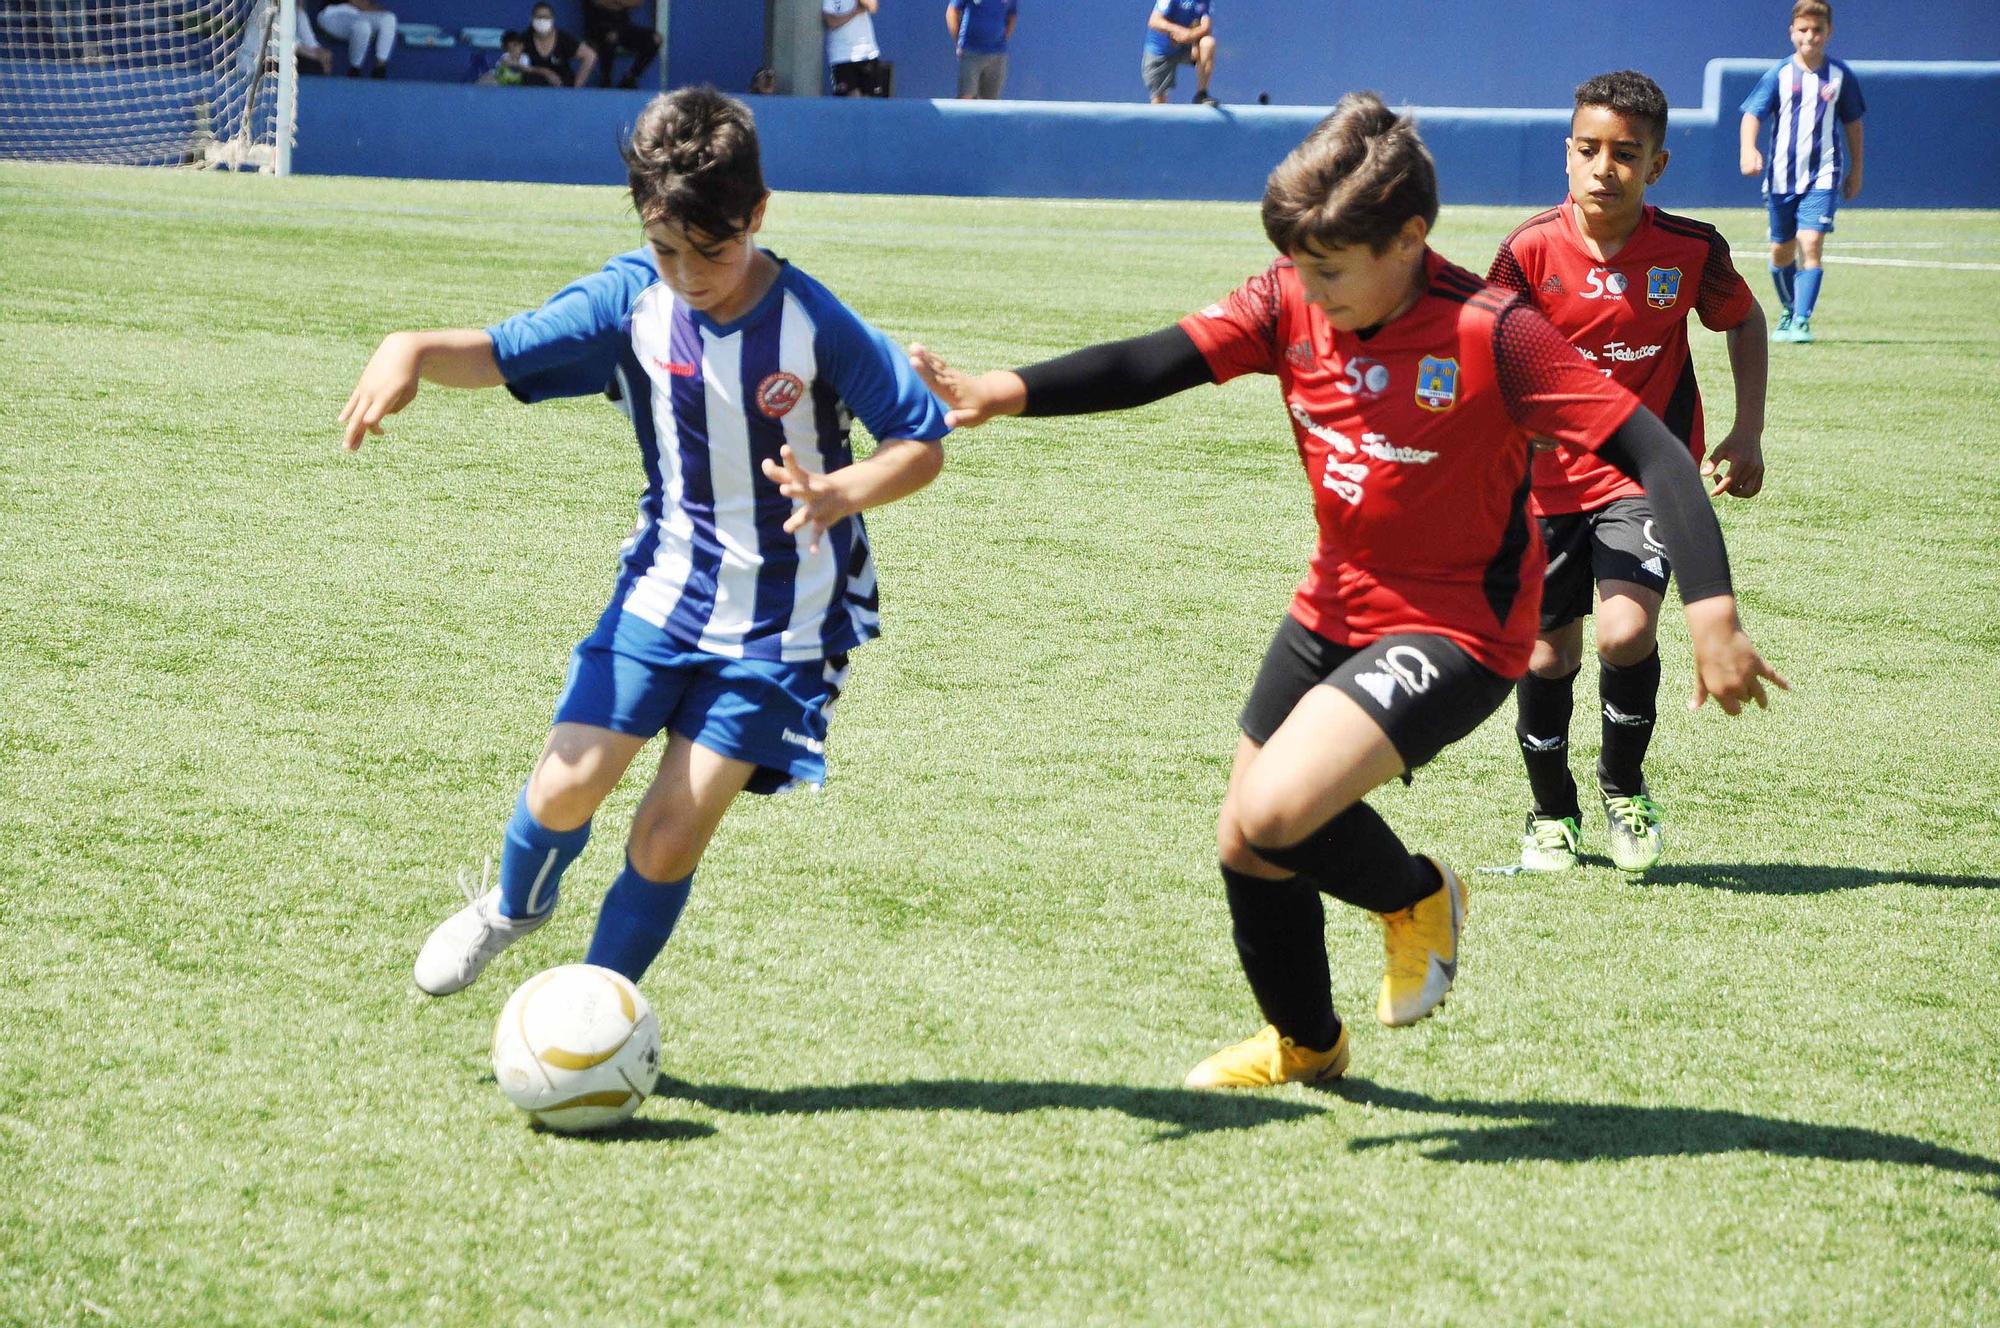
(1619, 278)
(1413, 391)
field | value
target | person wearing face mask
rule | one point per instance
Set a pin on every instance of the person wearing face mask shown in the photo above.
(556, 58)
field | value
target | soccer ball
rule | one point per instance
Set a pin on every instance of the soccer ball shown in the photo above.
(577, 1048)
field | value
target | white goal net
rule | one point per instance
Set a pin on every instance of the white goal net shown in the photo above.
(205, 83)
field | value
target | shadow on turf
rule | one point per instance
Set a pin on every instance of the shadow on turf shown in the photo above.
(1182, 1112)
(1584, 1132)
(1787, 878)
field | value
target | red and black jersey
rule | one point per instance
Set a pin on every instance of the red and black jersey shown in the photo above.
(1416, 439)
(1627, 314)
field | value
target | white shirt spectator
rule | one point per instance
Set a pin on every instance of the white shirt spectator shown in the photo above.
(852, 40)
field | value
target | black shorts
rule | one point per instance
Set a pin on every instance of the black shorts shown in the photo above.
(1425, 691)
(860, 78)
(1614, 543)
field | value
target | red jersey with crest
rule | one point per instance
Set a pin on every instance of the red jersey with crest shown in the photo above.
(1628, 314)
(1416, 440)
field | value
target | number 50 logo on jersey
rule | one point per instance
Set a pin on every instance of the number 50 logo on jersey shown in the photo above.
(1437, 383)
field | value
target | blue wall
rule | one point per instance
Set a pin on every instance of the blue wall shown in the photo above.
(1917, 157)
(1304, 52)
(1418, 52)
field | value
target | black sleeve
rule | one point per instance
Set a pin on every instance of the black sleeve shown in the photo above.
(1116, 375)
(1644, 449)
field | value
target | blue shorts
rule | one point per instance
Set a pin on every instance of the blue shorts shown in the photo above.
(767, 712)
(1792, 213)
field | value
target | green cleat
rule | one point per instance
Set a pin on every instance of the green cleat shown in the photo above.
(1801, 332)
(1783, 331)
(1634, 826)
(1549, 843)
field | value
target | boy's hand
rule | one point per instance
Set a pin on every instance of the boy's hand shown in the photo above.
(1851, 185)
(1742, 453)
(388, 384)
(1753, 163)
(1726, 663)
(969, 400)
(821, 501)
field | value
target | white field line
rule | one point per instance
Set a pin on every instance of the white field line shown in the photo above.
(1748, 255)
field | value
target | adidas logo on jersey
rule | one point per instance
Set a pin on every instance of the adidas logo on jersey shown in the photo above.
(1552, 285)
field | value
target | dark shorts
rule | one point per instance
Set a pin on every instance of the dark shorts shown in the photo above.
(1425, 691)
(1157, 71)
(1616, 542)
(860, 78)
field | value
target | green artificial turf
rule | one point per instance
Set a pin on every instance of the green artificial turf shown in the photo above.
(261, 701)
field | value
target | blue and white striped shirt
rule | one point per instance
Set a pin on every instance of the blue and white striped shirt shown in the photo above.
(1808, 149)
(709, 566)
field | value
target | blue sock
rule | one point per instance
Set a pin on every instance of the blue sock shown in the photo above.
(1784, 278)
(532, 860)
(1809, 278)
(634, 921)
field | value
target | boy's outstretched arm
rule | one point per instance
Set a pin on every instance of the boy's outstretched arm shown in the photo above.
(1736, 464)
(451, 357)
(1751, 160)
(1727, 665)
(1113, 375)
(898, 468)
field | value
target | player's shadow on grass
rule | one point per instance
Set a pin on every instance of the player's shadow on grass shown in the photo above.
(1181, 1112)
(1587, 1132)
(1788, 878)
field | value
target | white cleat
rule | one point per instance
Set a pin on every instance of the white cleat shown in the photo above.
(459, 948)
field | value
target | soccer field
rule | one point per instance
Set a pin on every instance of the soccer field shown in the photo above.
(261, 701)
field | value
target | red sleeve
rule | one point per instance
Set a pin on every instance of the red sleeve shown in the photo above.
(1240, 334)
(1724, 300)
(1507, 271)
(1551, 391)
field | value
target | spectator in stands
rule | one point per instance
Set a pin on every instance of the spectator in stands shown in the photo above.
(555, 58)
(764, 82)
(360, 22)
(852, 57)
(611, 26)
(1178, 32)
(982, 29)
(511, 69)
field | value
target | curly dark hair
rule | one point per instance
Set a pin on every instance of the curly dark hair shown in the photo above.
(1631, 94)
(692, 159)
(1356, 179)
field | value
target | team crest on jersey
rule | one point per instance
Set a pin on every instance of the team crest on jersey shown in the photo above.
(778, 393)
(1437, 383)
(1663, 286)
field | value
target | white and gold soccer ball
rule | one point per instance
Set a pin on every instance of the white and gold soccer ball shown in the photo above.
(577, 1048)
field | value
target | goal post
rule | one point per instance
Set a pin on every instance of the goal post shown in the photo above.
(202, 83)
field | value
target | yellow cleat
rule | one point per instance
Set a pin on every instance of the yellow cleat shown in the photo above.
(1421, 946)
(1270, 1059)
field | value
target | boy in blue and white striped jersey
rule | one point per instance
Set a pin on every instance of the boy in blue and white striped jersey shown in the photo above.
(748, 577)
(1815, 160)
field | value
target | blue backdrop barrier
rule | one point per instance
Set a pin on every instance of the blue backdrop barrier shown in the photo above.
(1301, 52)
(1930, 130)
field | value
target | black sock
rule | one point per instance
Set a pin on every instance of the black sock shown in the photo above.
(1358, 860)
(1542, 709)
(1631, 695)
(1280, 931)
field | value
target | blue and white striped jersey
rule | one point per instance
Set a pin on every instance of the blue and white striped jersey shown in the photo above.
(1808, 148)
(709, 566)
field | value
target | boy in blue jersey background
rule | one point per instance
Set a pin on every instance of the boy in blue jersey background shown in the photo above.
(1815, 105)
(1178, 32)
(748, 577)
